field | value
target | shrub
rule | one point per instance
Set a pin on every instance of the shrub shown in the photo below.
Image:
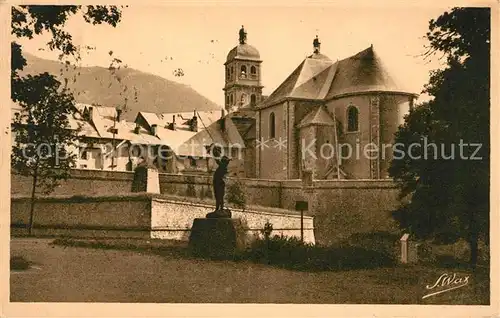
(19, 263)
(236, 195)
(292, 253)
(191, 191)
(267, 230)
(383, 242)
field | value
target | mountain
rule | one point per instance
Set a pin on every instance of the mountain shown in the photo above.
(98, 85)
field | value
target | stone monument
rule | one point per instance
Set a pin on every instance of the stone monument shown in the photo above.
(145, 178)
(218, 235)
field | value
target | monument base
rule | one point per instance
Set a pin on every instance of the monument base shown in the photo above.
(217, 237)
(225, 213)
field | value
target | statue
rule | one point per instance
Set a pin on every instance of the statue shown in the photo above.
(316, 44)
(219, 185)
(243, 35)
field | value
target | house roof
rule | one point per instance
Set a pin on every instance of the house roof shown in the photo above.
(75, 120)
(318, 117)
(205, 118)
(318, 78)
(214, 134)
(174, 138)
(103, 120)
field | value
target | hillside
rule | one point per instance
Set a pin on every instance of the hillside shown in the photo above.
(98, 85)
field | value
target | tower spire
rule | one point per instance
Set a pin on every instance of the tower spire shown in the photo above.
(316, 45)
(243, 35)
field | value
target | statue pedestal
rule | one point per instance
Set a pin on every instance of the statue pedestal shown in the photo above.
(226, 213)
(217, 237)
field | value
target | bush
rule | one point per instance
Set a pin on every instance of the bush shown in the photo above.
(236, 195)
(19, 263)
(291, 253)
(383, 242)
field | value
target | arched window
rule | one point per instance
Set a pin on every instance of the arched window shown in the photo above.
(231, 99)
(228, 74)
(253, 100)
(227, 99)
(272, 126)
(243, 69)
(243, 99)
(253, 70)
(352, 118)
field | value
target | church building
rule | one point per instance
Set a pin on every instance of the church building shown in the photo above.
(334, 119)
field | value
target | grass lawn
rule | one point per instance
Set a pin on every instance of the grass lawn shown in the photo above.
(106, 270)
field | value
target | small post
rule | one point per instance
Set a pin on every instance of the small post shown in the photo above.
(404, 248)
(301, 206)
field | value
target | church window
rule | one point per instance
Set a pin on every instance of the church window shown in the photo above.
(227, 99)
(228, 74)
(243, 99)
(352, 118)
(253, 100)
(243, 69)
(231, 99)
(272, 126)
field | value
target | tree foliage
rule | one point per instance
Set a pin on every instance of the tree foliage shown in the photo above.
(43, 136)
(42, 131)
(448, 184)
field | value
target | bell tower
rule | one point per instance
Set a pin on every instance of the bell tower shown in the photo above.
(242, 76)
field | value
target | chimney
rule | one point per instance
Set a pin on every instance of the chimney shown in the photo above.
(153, 129)
(194, 123)
(91, 113)
(172, 125)
(118, 114)
(222, 124)
(137, 128)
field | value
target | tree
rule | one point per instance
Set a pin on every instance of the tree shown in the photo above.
(43, 136)
(446, 178)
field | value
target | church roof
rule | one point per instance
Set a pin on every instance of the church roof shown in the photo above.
(243, 52)
(318, 78)
(318, 117)
(305, 82)
(363, 72)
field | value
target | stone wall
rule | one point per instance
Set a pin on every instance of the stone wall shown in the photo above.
(73, 216)
(89, 182)
(340, 208)
(140, 215)
(172, 219)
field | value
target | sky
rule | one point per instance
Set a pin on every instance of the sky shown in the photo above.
(159, 39)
